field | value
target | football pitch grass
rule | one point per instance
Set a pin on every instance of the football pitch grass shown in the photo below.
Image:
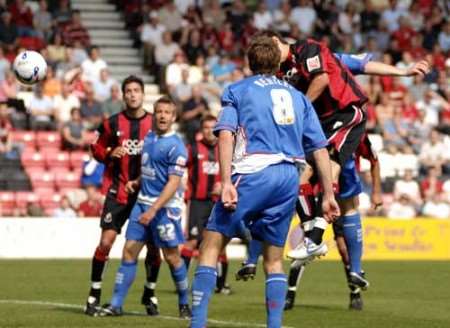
(51, 293)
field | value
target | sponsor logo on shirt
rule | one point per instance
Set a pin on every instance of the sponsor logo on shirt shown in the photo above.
(210, 168)
(133, 146)
(313, 63)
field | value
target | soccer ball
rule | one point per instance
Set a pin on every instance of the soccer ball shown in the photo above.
(30, 67)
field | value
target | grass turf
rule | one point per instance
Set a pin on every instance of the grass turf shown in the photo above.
(402, 294)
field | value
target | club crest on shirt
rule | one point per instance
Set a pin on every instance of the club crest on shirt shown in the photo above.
(313, 63)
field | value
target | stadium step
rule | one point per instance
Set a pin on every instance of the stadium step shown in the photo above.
(107, 34)
(122, 60)
(107, 30)
(118, 42)
(101, 15)
(103, 24)
(92, 6)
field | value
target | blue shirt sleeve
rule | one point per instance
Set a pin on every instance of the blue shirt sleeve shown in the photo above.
(313, 136)
(228, 118)
(177, 158)
(355, 63)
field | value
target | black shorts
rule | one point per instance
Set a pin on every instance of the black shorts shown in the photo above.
(115, 214)
(344, 130)
(338, 227)
(199, 211)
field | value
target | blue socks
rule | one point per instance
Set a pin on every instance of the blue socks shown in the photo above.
(179, 276)
(353, 240)
(255, 249)
(202, 288)
(124, 278)
(276, 287)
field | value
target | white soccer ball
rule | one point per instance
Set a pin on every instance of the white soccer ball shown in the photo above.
(30, 67)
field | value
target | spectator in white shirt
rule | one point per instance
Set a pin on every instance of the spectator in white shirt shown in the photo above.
(348, 19)
(436, 208)
(391, 15)
(262, 18)
(282, 18)
(304, 16)
(151, 35)
(93, 65)
(408, 186)
(64, 103)
(434, 152)
(431, 104)
(402, 209)
(170, 16)
(42, 110)
(102, 87)
(444, 37)
(65, 210)
(174, 69)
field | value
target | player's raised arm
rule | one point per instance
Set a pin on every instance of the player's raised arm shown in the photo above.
(101, 146)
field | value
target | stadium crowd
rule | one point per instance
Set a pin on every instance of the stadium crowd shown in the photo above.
(196, 51)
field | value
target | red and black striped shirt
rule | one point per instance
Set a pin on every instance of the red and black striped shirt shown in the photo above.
(308, 58)
(203, 170)
(128, 132)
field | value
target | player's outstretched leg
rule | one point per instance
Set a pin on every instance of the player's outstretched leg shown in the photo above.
(310, 213)
(353, 238)
(97, 269)
(295, 275)
(222, 272)
(248, 269)
(152, 266)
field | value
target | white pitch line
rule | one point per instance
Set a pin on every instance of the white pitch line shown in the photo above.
(166, 317)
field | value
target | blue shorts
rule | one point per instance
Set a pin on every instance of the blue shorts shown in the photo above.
(164, 230)
(266, 204)
(349, 180)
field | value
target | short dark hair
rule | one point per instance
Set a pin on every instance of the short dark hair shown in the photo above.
(207, 118)
(164, 100)
(270, 34)
(263, 55)
(132, 79)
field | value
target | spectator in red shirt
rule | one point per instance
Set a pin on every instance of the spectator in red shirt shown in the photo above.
(417, 51)
(431, 185)
(92, 206)
(404, 34)
(75, 31)
(22, 18)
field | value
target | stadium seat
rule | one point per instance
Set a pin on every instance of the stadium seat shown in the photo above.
(27, 138)
(31, 158)
(31, 43)
(42, 179)
(50, 202)
(7, 202)
(56, 158)
(47, 139)
(25, 197)
(67, 180)
(77, 158)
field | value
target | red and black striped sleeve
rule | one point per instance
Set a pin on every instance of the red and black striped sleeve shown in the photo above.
(101, 147)
(313, 63)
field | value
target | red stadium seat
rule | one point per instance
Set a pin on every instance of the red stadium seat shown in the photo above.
(31, 158)
(47, 139)
(31, 43)
(25, 197)
(67, 180)
(42, 179)
(27, 138)
(50, 202)
(7, 203)
(56, 158)
(77, 158)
